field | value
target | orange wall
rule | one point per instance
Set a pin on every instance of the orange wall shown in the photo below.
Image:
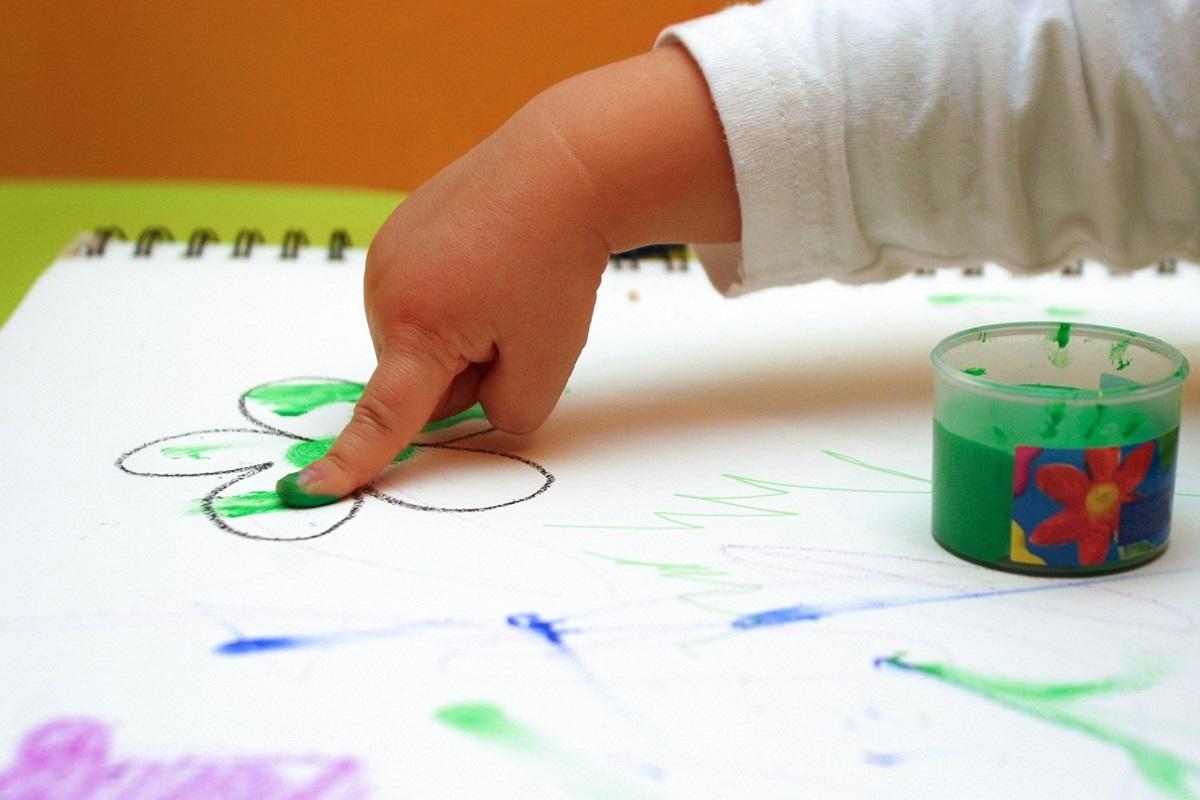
(357, 93)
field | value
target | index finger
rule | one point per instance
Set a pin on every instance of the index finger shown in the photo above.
(396, 402)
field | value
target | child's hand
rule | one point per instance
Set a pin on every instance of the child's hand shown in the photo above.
(480, 286)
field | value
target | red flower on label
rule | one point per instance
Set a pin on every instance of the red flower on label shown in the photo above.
(1092, 502)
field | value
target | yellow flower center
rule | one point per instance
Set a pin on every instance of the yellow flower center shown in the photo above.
(1102, 500)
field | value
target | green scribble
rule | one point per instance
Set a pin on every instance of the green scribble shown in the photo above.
(304, 453)
(976, 371)
(1064, 311)
(1167, 772)
(697, 574)
(1116, 354)
(679, 520)
(297, 399)
(243, 505)
(885, 470)
(197, 452)
(488, 723)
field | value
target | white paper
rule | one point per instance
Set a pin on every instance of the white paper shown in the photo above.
(711, 459)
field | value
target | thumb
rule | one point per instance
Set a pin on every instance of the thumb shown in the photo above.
(397, 401)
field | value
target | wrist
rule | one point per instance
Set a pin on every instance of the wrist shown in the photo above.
(647, 149)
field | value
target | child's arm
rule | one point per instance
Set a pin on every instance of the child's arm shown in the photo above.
(867, 139)
(480, 286)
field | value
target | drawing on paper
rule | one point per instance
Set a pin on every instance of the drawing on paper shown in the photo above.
(72, 758)
(295, 421)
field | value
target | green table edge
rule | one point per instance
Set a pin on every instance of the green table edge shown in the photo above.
(39, 218)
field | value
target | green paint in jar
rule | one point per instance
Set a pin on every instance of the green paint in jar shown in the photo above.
(1054, 446)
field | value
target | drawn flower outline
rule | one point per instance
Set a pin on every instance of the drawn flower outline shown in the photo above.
(294, 421)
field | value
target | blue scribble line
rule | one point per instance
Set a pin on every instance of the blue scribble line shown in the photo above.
(811, 613)
(255, 645)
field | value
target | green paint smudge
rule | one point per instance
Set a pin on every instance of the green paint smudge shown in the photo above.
(297, 399)
(1116, 354)
(1063, 337)
(474, 412)
(1064, 311)
(959, 299)
(196, 452)
(976, 371)
(487, 722)
(1167, 772)
(243, 505)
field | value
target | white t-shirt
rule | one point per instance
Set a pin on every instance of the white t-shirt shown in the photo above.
(869, 138)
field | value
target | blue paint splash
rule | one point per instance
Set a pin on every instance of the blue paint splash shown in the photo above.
(811, 613)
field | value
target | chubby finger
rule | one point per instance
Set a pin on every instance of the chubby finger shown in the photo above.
(398, 399)
(524, 383)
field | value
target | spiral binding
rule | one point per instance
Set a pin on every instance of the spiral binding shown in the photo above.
(244, 242)
(674, 257)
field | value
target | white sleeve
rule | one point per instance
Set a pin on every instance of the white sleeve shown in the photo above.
(870, 138)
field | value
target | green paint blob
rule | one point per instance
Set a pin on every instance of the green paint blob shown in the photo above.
(976, 371)
(1172, 774)
(302, 454)
(474, 412)
(1063, 337)
(297, 399)
(488, 721)
(292, 494)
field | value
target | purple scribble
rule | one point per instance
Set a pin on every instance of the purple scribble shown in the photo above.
(69, 759)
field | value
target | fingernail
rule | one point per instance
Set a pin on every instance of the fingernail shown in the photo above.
(292, 490)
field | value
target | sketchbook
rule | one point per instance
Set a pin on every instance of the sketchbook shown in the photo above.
(582, 613)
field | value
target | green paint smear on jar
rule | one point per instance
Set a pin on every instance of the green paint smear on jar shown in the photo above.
(297, 399)
(1116, 354)
(304, 453)
(1169, 773)
(1063, 336)
(976, 371)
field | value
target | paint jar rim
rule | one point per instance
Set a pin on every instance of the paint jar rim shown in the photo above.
(1059, 393)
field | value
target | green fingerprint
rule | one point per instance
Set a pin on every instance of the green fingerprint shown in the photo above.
(302, 454)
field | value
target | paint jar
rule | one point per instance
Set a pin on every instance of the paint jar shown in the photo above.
(1055, 446)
